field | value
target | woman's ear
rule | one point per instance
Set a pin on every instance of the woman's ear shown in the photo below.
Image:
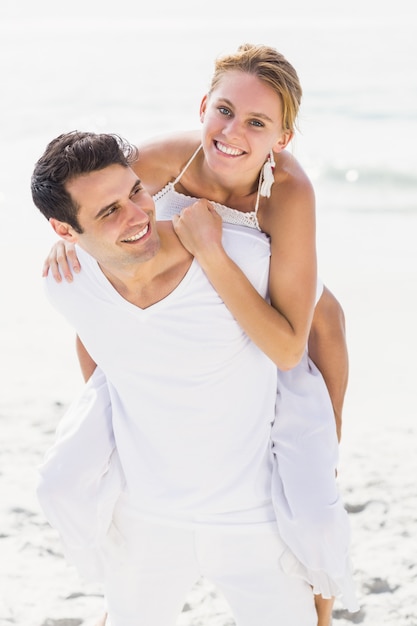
(283, 141)
(63, 230)
(203, 107)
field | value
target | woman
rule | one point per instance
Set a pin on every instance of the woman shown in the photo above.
(240, 163)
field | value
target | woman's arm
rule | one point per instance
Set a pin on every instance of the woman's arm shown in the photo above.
(281, 330)
(87, 364)
(327, 339)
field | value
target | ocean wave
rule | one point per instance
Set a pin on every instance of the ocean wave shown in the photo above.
(365, 189)
(366, 175)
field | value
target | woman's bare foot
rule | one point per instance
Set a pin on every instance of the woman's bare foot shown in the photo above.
(324, 608)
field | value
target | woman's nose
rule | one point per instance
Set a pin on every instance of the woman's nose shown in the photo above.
(232, 128)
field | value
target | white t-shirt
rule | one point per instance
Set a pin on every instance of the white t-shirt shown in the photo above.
(192, 397)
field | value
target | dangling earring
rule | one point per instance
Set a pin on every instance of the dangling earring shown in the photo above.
(267, 175)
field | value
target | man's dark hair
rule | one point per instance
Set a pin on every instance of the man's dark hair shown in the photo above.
(68, 156)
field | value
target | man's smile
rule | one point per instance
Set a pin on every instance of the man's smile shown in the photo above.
(138, 235)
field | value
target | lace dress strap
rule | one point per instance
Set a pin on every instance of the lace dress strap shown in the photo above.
(187, 165)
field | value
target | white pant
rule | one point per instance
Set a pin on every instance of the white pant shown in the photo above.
(148, 584)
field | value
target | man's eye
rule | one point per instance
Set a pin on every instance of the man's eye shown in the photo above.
(110, 211)
(136, 191)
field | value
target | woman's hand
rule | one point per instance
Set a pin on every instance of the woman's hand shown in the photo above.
(199, 228)
(62, 261)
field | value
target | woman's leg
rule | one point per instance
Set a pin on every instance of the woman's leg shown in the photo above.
(324, 608)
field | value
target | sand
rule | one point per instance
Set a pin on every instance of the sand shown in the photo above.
(370, 262)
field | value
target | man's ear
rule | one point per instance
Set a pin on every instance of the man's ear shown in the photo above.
(203, 107)
(64, 230)
(283, 141)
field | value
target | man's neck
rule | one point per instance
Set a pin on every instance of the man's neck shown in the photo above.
(145, 284)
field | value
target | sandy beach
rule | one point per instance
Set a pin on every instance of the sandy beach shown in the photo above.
(370, 262)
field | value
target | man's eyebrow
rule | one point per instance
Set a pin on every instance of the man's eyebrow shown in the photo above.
(252, 114)
(105, 209)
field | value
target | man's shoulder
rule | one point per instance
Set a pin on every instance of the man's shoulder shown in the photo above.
(171, 244)
(87, 268)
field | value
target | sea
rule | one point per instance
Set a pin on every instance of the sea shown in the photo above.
(141, 71)
(120, 67)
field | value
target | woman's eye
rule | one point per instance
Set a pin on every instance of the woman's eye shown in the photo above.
(224, 111)
(257, 123)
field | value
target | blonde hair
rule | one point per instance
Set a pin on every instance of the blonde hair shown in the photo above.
(272, 68)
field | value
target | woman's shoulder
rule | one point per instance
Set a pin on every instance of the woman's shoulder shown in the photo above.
(161, 158)
(176, 141)
(292, 195)
(292, 181)
(289, 170)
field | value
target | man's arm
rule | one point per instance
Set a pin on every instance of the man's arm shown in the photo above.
(328, 350)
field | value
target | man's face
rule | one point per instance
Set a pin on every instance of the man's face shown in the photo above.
(117, 216)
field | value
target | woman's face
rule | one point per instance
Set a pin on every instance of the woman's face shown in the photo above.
(242, 122)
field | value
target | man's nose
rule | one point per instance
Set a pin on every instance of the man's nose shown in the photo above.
(138, 211)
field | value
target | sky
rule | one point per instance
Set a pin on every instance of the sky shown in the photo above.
(215, 11)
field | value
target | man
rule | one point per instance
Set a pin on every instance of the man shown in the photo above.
(192, 397)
